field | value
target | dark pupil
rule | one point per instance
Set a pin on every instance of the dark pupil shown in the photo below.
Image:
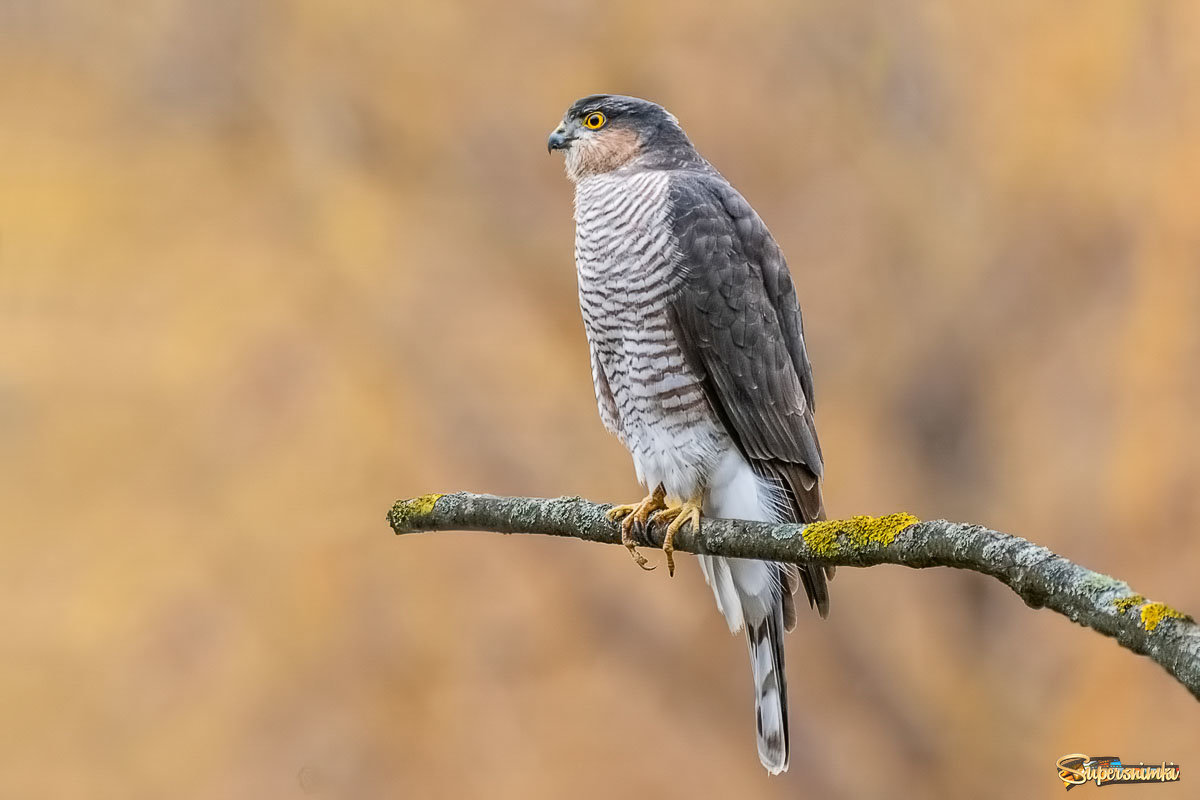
(594, 120)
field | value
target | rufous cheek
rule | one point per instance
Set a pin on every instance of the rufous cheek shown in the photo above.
(602, 152)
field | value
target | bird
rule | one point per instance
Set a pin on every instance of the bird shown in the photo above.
(699, 365)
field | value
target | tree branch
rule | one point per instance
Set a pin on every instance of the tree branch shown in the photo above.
(1040, 577)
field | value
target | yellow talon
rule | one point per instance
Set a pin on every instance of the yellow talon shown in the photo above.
(679, 516)
(637, 513)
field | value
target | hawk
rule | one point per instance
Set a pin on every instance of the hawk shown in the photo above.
(699, 365)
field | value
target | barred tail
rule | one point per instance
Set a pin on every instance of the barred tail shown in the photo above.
(765, 640)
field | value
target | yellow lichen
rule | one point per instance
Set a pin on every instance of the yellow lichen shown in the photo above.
(1123, 604)
(860, 531)
(403, 510)
(821, 539)
(1154, 613)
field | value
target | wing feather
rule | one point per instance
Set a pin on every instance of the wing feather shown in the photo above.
(740, 327)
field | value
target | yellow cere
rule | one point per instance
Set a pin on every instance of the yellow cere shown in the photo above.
(823, 537)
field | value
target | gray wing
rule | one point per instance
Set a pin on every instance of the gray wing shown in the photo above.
(740, 328)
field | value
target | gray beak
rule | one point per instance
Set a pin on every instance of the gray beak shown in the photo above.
(558, 140)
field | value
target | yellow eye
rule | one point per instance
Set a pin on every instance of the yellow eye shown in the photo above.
(594, 120)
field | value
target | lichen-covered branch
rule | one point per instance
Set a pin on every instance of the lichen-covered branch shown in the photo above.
(1041, 578)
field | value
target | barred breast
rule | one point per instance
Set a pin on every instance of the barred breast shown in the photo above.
(647, 394)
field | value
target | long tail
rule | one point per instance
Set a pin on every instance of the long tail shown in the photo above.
(759, 595)
(765, 640)
(755, 595)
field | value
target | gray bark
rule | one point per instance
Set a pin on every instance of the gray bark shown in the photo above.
(1039, 577)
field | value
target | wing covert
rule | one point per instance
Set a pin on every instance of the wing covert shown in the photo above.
(740, 325)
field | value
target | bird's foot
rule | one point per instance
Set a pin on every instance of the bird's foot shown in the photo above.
(678, 516)
(638, 513)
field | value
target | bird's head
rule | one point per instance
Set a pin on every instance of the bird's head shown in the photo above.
(604, 132)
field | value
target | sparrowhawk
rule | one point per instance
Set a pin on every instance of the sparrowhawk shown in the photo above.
(699, 365)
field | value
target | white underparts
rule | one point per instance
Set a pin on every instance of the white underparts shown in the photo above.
(742, 587)
(625, 255)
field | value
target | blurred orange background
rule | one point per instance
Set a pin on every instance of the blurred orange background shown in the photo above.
(267, 266)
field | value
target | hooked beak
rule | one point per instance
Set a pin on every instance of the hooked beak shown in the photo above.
(558, 140)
